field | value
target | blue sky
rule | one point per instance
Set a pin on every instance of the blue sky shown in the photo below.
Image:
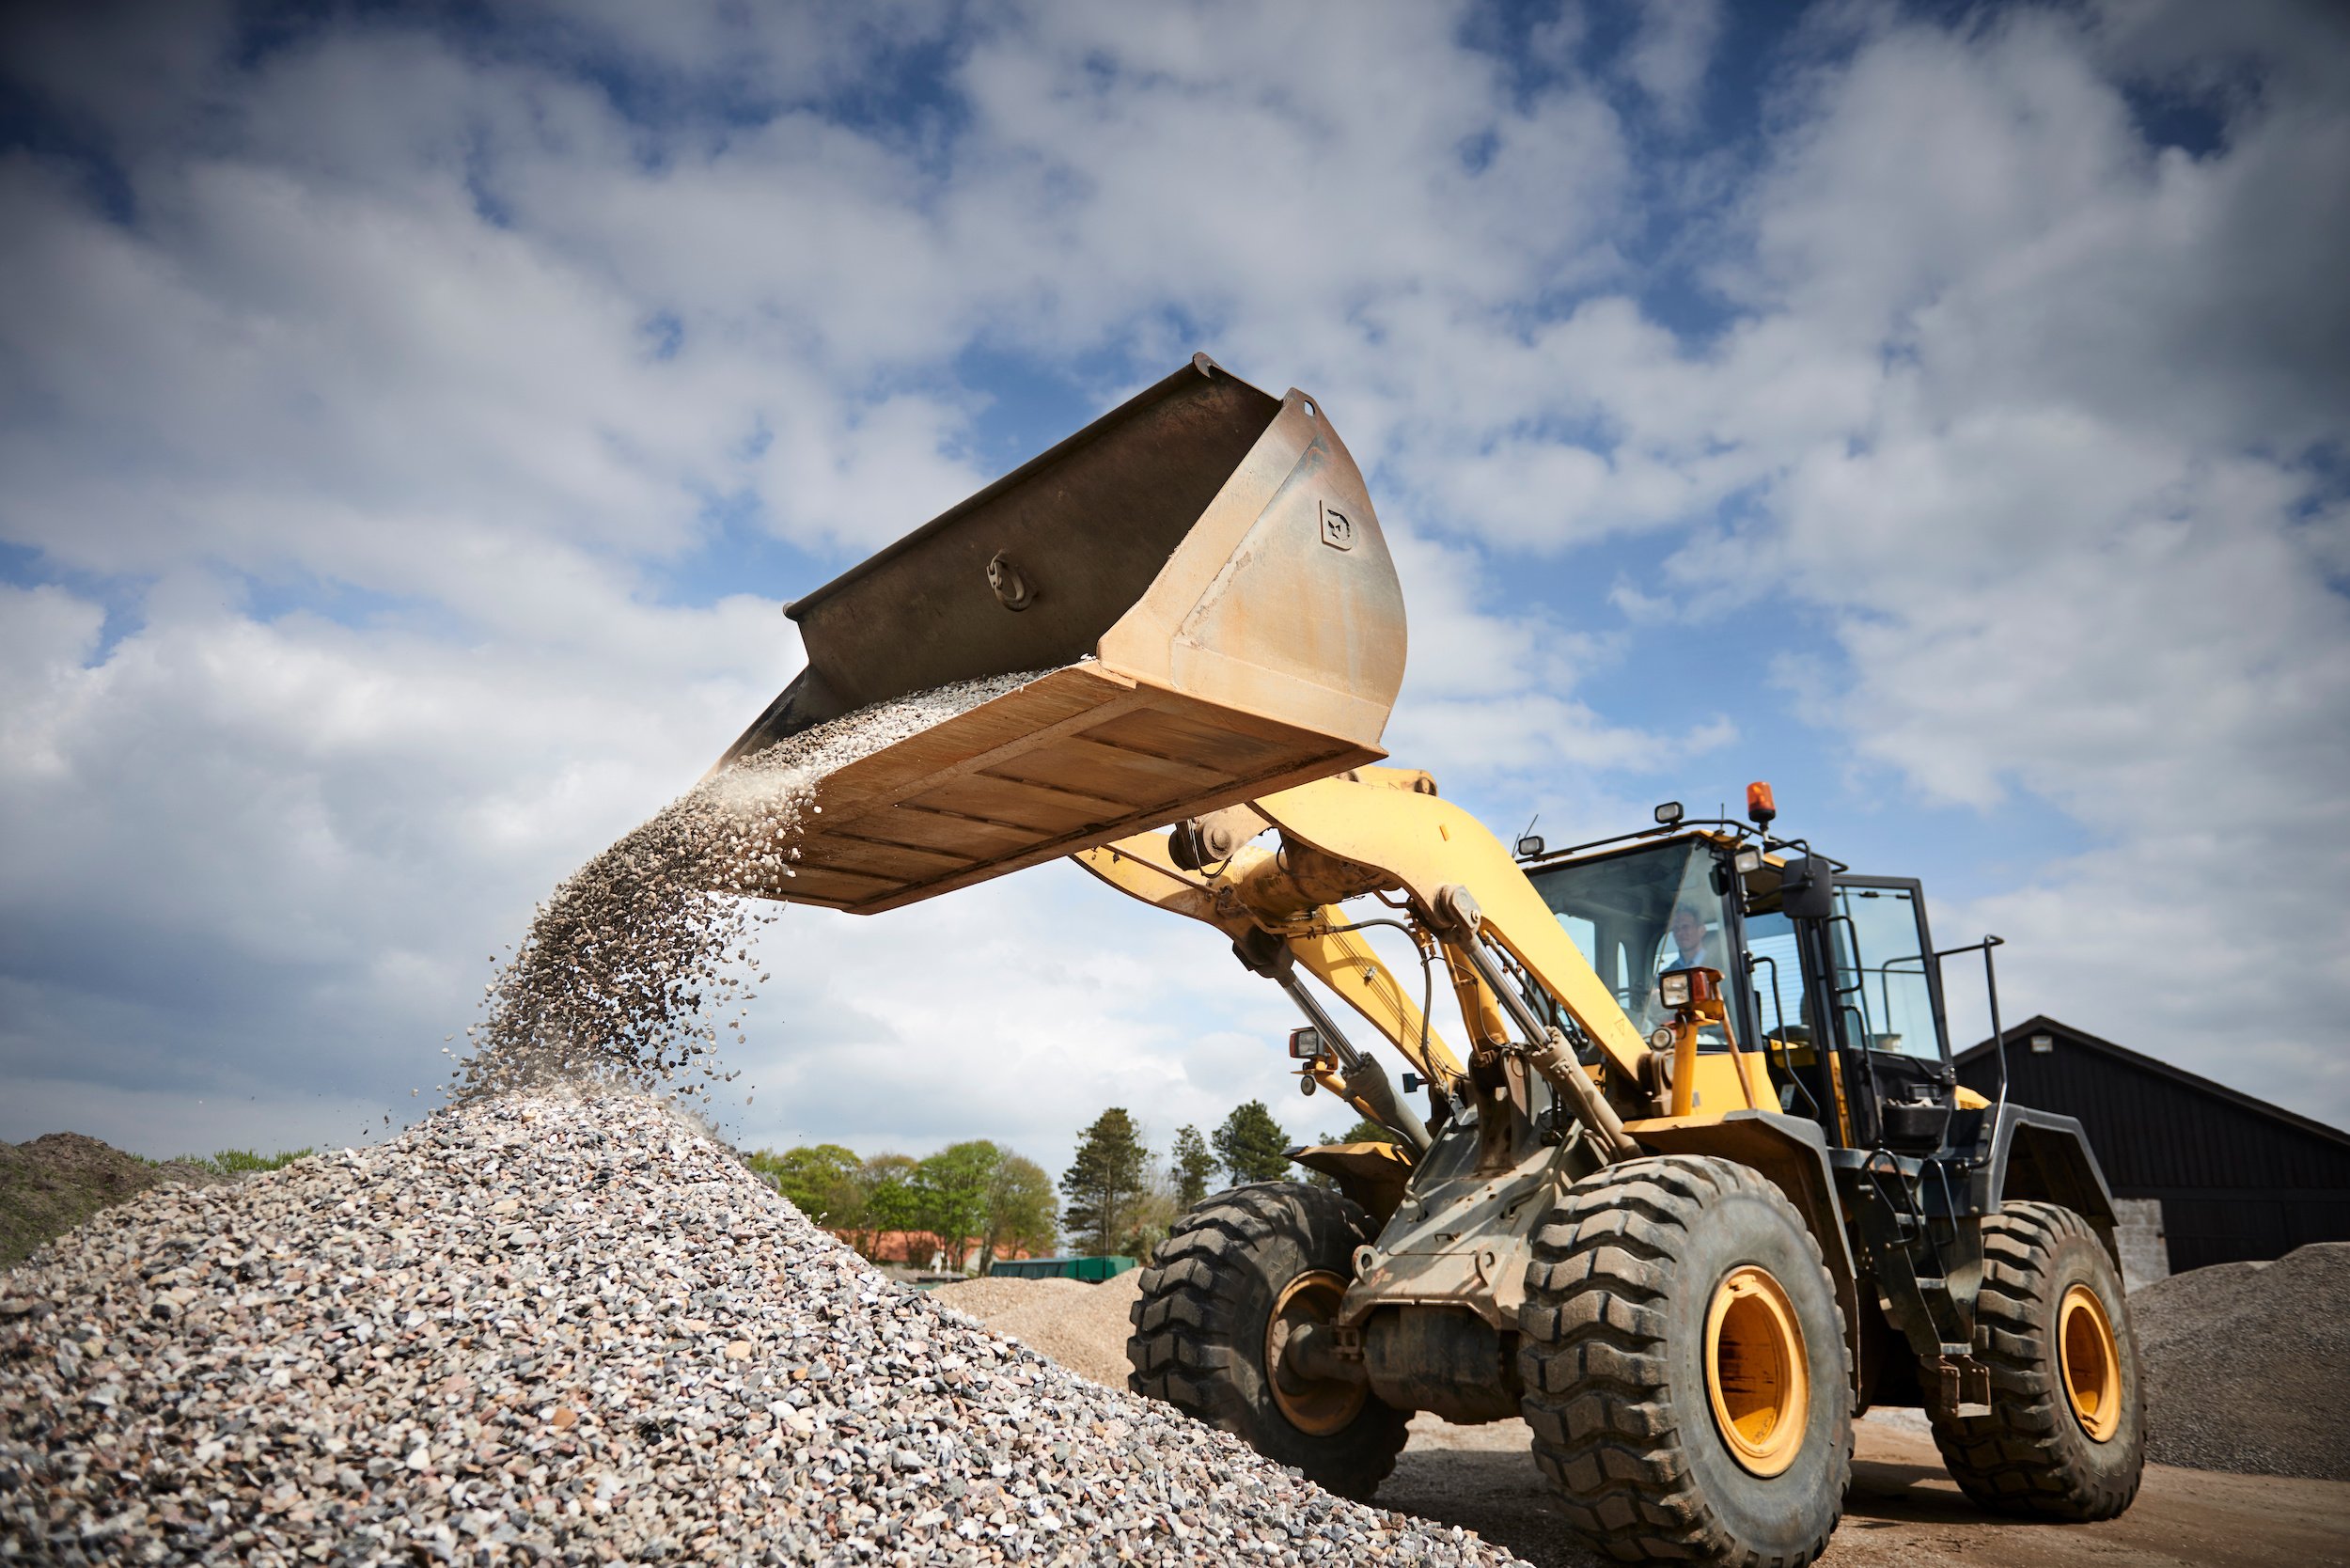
(414, 416)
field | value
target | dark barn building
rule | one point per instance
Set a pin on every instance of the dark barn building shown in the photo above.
(2237, 1178)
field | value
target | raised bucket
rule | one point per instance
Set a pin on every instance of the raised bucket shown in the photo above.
(1201, 574)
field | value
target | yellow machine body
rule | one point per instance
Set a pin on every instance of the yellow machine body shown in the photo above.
(1197, 588)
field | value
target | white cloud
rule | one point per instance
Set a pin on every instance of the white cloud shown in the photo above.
(468, 344)
(1670, 55)
(2067, 545)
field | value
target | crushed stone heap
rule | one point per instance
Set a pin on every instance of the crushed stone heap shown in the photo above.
(2248, 1365)
(572, 1329)
(1082, 1326)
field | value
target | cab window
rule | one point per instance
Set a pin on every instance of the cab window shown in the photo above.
(1883, 993)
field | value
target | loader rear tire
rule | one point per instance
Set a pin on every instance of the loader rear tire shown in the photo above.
(1686, 1372)
(1209, 1300)
(2066, 1436)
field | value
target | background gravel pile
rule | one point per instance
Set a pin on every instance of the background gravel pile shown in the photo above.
(1082, 1326)
(2248, 1365)
(572, 1329)
(631, 967)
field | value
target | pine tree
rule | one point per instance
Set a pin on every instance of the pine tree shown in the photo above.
(1251, 1146)
(1104, 1179)
(1191, 1164)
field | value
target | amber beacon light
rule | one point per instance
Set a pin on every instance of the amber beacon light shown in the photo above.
(1761, 807)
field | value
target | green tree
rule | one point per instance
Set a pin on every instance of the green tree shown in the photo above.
(1191, 1164)
(819, 1179)
(1020, 1209)
(1251, 1146)
(1104, 1179)
(951, 1195)
(1151, 1217)
(885, 1187)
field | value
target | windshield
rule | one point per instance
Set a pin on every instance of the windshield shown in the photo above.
(1641, 912)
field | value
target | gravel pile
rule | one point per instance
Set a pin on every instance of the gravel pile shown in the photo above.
(2248, 1365)
(1082, 1326)
(569, 1327)
(631, 968)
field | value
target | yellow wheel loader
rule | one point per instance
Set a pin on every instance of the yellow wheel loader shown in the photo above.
(1692, 1186)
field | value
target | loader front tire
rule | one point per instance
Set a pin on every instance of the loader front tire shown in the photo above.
(1685, 1365)
(2066, 1434)
(1236, 1266)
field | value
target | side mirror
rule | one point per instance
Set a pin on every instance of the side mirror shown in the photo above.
(1806, 889)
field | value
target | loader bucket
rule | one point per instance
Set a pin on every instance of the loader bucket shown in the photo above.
(1202, 576)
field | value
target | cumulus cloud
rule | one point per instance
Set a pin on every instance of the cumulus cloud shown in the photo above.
(412, 426)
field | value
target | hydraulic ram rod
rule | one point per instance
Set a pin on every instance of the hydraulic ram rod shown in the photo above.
(1546, 1049)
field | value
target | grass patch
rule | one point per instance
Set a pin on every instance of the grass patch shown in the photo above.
(240, 1161)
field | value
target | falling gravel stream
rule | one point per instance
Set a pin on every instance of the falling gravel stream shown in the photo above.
(638, 965)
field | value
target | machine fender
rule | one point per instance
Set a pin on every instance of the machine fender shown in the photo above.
(1372, 1174)
(1790, 1151)
(2040, 1155)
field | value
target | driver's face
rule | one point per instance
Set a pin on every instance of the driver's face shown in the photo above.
(1688, 929)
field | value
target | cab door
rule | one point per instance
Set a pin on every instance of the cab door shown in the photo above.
(1883, 994)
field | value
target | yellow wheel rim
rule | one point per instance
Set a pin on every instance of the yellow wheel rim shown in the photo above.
(1756, 1372)
(1319, 1409)
(2090, 1362)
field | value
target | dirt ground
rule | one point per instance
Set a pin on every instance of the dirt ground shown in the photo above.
(57, 1181)
(1904, 1509)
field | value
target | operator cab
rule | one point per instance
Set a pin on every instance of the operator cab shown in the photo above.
(1857, 972)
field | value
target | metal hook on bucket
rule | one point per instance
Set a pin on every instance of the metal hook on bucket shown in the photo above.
(1010, 586)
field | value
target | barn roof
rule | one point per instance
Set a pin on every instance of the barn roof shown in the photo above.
(2041, 1024)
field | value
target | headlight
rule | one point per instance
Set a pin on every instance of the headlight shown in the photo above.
(1673, 989)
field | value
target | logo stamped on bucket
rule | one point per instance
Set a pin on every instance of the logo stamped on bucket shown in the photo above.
(1338, 529)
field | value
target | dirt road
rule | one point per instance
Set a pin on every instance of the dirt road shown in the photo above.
(1904, 1511)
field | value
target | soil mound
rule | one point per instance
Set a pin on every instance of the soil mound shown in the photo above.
(59, 1179)
(1082, 1326)
(571, 1328)
(2248, 1365)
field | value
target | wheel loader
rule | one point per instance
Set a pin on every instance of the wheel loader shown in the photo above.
(1683, 1176)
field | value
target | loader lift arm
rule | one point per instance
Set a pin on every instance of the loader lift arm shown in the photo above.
(1385, 831)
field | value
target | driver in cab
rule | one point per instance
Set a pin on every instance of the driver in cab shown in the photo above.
(1688, 944)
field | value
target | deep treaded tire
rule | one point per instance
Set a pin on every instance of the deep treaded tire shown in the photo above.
(2033, 1455)
(1613, 1350)
(1199, 1326)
